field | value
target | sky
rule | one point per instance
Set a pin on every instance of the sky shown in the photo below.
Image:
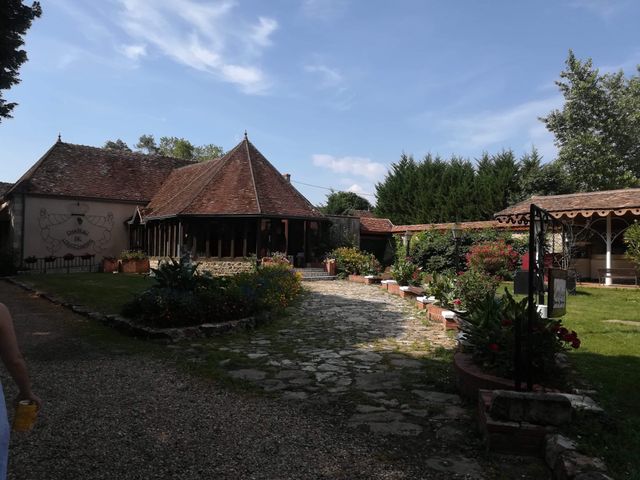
(331, 91)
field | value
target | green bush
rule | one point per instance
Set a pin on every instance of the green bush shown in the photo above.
(353, 261)
(632, 241)
(488, 335)
(405, 272)
(182, 296)
(494, 258)
(133, 255)
(473, 286)
(443, 287)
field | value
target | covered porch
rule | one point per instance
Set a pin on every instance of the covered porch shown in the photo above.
(227, 238)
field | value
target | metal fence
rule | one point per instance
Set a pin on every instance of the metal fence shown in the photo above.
(66, 264)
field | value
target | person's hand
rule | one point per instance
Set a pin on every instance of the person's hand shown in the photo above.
(29, 396)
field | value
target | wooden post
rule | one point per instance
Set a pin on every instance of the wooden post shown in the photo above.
(258, 237)
(179, 239)
(207, 240)
(244, 238)
(233, 241)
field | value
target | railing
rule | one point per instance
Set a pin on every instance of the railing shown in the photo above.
(64, 264)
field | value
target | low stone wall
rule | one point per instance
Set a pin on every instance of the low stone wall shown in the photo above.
(217, 267)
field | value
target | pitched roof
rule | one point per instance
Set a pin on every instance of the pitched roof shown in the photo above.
(375, 225)
(242, 182)
(588, 204)
(82, 171)
(479, 225)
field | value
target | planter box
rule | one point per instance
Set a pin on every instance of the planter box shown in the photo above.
(356, 278)
(371, 279)
(438, 314)
(134, 266)
(109, 266)
(393, 288)
(330, 267)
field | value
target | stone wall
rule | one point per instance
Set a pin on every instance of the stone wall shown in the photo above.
(218, 266)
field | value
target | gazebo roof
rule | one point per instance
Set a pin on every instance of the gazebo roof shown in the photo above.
(241, 183)
(587, 204)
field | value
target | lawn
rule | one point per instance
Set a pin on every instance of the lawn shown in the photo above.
(609, 360)
(105, 292)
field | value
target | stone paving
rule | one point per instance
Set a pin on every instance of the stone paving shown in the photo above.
(360, 346)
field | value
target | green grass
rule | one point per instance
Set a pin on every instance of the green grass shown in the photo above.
(105, 292)
(609, 360)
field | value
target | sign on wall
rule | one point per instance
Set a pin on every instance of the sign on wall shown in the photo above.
(75, 229)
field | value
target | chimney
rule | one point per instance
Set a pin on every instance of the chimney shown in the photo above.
(287, 177)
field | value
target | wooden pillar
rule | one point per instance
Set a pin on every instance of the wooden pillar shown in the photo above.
(207, 240)
(258, 236)
(244, 237)
(179, 240)
(219, 244)
(233, 240)
(155, 241)
(286, 236)
(607, 279)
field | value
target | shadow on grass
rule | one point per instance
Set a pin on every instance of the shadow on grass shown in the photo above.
(617, 434)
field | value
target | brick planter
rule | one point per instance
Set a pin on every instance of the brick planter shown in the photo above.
(134, 266)
(470, 379)
(371, 279)
(356, 278)
(393, 288)
(109, 265)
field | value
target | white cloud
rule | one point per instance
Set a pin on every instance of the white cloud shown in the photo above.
(500, 129)
(329, 77)
(359, 166)
(203, 36)
(134, 52)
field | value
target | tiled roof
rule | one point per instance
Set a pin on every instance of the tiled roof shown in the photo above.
(618, 202)
(480, 225)
(375, 225)
(90, 172)
(242, 182)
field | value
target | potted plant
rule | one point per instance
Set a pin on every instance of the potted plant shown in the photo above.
(30, 260)
(134, 261)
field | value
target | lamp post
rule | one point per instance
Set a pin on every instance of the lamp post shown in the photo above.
(406, 241)
(456, 232)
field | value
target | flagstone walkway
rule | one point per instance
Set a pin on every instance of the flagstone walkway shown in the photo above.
(357, 345)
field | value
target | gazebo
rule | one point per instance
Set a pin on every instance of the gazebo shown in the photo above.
(236, 206)
(600, 216)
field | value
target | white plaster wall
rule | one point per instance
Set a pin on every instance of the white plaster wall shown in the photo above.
(55, 226)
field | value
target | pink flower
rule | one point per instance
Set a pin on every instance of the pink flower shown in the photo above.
(494, 347)
(457, 302)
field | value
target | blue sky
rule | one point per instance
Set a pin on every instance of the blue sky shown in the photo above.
(331, 91)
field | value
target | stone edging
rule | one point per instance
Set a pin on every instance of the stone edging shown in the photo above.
(163, 335)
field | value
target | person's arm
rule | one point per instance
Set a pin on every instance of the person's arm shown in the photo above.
(12, 358)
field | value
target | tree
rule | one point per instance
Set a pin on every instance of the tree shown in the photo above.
(147, 144)
(116, 145)
(343, 203)
(16, 19)
(178, 148)
(632, 241)
(598, 129)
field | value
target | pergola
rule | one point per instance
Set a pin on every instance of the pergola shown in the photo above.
(605, 215)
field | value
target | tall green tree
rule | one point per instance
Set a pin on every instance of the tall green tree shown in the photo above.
(15, 20)
(496, 183)
(117, 144)
(536, 178)
(343, 203)
(178, 147)
(598, 129)
(396, 195)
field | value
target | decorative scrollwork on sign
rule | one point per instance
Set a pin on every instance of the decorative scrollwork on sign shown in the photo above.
(75, 229)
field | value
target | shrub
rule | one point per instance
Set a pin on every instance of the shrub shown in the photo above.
(133, 255)
(276, 257)
(632, 241)
(443, 287)
(494, 258)
(353, 261)
(473, 286)
(182, 296)
(405, 272)
(488, 334)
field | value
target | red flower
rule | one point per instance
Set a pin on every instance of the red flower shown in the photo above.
(506, 322)
(562, 332)
(576, 343)
(494, 347)
(457, 301)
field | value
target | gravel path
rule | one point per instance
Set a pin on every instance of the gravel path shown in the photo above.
(119, 408)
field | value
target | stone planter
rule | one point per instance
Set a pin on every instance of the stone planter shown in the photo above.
(109, 265)
(134, 266)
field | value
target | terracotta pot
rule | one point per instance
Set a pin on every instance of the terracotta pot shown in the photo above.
(109, 265)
